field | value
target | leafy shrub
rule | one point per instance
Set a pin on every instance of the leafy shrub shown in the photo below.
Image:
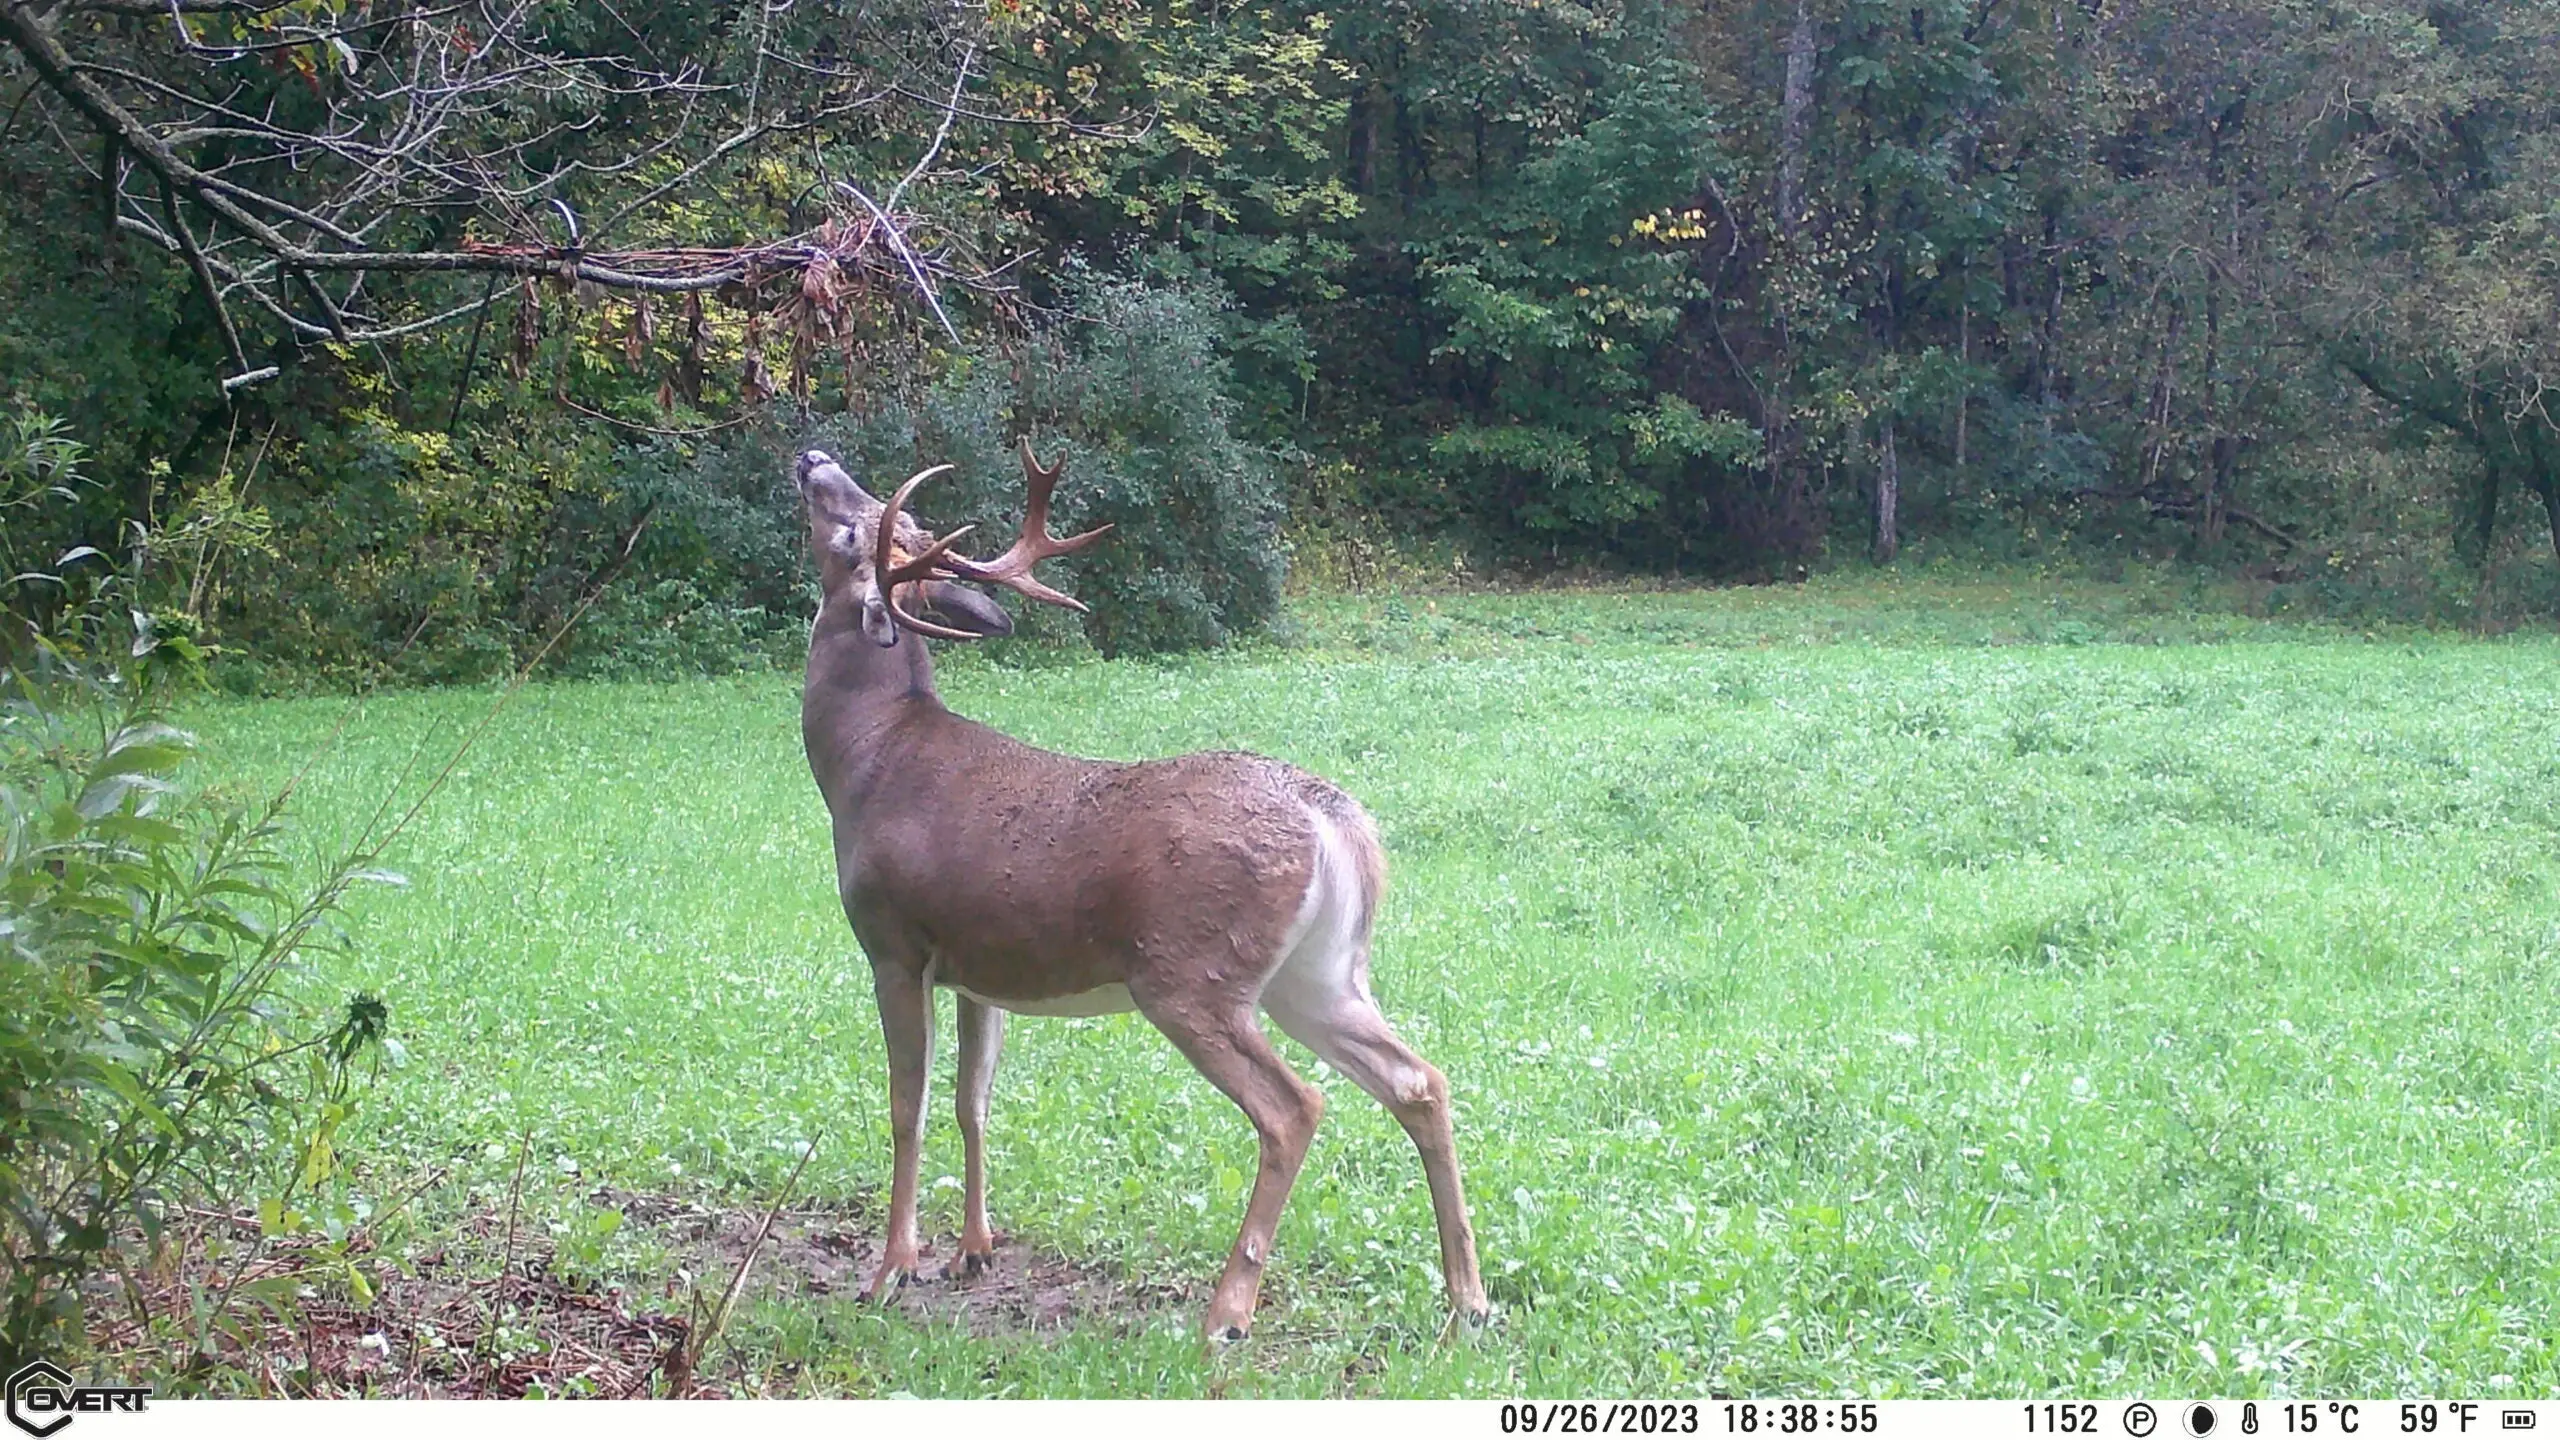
(1132, 394)
(672, 628)
(429, 557)
(716, 580)
(39, 461)
(153, 1048)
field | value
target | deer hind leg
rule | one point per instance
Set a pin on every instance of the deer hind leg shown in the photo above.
(1228, 1046)
(1321, 1000)
(906, 1023)
(981, 1038)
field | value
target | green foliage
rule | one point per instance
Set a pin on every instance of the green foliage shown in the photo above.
(1131, 393)
(399, 550)
(719, 579)
(1496, 354)
(2432, 252)
(39, 460)
(156, 1048)
(1554, 290)
(154, 1052)
(40, 477)
(1138, 390)
(98, 337)
(377, 546)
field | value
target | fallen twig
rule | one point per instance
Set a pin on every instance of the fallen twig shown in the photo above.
(684, 1362)
(506, 1251)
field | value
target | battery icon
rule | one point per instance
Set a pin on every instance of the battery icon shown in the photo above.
(2515, 1419)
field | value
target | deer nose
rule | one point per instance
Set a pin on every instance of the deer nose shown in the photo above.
(810, 460)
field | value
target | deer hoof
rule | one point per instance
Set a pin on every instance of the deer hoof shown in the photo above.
(885, 1284)
(1229, 1335)
(972, 1264)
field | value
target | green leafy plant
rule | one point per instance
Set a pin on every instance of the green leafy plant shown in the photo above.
(1130, 392)
(154, 1047)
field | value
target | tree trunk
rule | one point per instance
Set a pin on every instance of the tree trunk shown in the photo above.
(1888, 497)
(1787, 503)
(2541, 466)
(2551, 507)
(2222, 451)
(2049, 333)
(2215, 507)
(1361, 149)
(1964, 397)
(1413, 172)
(2164, 385)
(1794, 112)
(2476, 539)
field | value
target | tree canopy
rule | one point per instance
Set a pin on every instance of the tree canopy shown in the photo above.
(431, 291)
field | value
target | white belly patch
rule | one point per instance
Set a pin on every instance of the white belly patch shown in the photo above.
(1101, 1000)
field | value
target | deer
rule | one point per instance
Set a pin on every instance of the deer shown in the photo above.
(1197, 890)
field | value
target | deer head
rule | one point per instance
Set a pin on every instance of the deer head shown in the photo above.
(876, 556)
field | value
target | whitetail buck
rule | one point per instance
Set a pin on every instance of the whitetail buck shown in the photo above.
(1192, 890)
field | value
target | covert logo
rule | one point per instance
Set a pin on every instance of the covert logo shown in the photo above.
(42, 1398)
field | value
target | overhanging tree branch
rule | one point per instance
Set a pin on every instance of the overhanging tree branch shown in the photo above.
(453, 110)
(204, 277)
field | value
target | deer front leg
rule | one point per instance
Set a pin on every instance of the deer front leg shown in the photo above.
(1233, 1052)
(981, 1038)
(906, 1022)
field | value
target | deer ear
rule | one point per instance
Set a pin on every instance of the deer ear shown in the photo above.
(877, 622)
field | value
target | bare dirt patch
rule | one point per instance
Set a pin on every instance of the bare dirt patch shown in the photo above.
(285, 1319)
(454, 1321)
(827, 1251)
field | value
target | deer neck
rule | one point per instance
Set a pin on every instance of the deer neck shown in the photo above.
(858, 695)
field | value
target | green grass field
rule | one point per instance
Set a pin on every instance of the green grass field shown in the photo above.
(1973, 1004)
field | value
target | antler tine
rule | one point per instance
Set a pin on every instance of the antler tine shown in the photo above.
(1041, 476)
(884, 533)
(923, 566)
(922, 627)
(1012, 569)
(889, 576)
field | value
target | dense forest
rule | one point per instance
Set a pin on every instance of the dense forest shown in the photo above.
(403, 328)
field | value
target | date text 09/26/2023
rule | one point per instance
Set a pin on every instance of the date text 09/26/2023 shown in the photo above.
(1689, 1417)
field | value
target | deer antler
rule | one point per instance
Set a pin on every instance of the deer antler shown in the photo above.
(1012, 569)
(890, 572)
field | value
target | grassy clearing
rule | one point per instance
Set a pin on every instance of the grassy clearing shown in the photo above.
(1928, 1015)
(1925, 605)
